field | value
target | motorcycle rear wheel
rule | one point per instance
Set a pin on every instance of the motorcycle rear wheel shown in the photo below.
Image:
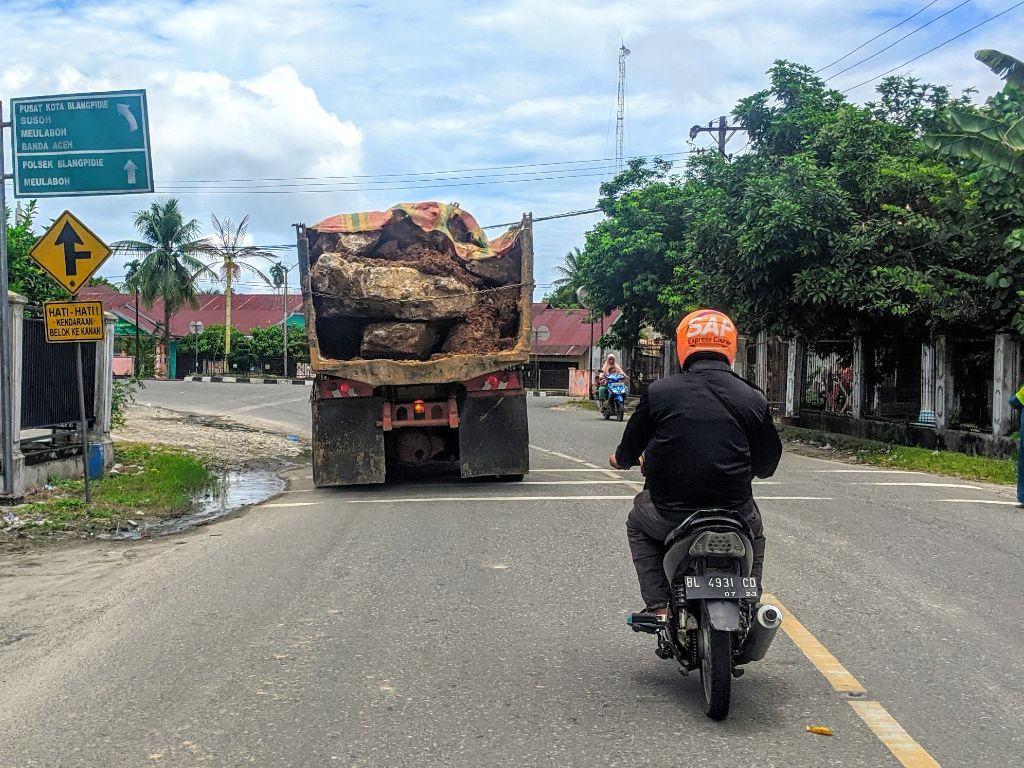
(715, 670)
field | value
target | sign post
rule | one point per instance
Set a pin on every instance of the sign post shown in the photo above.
(67, 145)
(6, 406)
(70, 253)
(81, 144)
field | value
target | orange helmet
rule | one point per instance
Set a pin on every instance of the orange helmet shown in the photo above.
(706, 330)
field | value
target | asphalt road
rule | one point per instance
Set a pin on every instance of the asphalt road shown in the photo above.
(474, 624)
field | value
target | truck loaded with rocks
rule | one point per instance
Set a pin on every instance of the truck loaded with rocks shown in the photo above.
(419, 327)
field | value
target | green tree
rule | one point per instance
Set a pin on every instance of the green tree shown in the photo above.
(230, 257)
(168, 256)
(994, 135)
(27, 277)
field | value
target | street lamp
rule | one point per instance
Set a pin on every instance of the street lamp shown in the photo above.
(540, 333)
(581, 297)
(195, 327)
(284, 326)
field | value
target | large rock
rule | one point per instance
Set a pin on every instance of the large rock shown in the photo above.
(346, 286)
(349, 243)
(409, 341)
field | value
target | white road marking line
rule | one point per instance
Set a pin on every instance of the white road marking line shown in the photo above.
(921, 485)
(449, 499)
(979, 501)
(298, 504)
(595, 497)
(867, 472)
(534, 471)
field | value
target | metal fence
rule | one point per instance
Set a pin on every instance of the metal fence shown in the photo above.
(553, 376)
(188, 365)
(892, 380)
(49, 392)
(828, 377)
(970, 362)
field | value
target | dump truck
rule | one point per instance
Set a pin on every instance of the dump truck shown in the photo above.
(419, 329)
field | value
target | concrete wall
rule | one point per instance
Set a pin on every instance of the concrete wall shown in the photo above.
(972, 443)
(28, 477)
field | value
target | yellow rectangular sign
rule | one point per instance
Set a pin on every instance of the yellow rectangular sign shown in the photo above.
(68, 321)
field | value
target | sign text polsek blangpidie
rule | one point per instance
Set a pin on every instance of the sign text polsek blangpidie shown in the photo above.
(81, 144)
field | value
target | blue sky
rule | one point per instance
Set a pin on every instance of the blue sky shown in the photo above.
(300, 91)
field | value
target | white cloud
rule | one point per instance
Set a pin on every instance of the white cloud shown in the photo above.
(289, 88)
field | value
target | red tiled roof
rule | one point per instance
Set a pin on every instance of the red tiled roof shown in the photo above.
(248, 310)
(569, 335)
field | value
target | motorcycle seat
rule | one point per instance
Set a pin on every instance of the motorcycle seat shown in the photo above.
(725, 519)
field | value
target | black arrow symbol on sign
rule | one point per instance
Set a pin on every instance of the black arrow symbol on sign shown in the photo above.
(69, 239)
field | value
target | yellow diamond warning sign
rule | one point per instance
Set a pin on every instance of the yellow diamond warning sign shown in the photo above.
(73, 321)
(70, 252)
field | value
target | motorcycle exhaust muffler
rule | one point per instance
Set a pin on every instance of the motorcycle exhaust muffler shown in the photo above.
(762, 632)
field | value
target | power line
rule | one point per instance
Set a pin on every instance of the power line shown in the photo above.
(880, 34)
(546, 218)
(897, 42)
(940, 45)
(411, 174)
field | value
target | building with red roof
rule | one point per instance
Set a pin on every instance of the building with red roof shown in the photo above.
(562, 341)
(248, 311)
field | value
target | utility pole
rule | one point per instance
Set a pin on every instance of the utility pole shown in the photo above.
(285, 326)
(723, 132)
(620, 118)
(6, 388)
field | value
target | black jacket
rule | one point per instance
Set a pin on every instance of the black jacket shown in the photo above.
(706, 433)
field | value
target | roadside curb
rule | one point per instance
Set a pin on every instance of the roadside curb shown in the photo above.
(247, 380)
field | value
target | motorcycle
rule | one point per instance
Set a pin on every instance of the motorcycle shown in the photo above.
(615, 403)
(714, 623)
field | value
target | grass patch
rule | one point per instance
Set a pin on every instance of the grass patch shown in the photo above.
(152, 482)
(1001, 471)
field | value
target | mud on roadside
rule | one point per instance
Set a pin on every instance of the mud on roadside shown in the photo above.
(225, 444)
(246, 461)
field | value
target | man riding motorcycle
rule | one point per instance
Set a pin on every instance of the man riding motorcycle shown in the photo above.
(703, 435)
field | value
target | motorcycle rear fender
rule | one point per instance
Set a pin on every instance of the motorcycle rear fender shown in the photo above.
(724, 615)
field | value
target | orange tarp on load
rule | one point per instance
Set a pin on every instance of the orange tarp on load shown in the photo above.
(458, 226)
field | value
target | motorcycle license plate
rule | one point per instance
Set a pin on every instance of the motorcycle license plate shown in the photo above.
(721, 587)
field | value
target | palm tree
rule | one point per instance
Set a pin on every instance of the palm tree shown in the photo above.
(977, 136)
(569, 270)
(230, 259)
(168, 262)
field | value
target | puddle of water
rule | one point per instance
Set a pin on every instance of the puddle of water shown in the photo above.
(234, 490)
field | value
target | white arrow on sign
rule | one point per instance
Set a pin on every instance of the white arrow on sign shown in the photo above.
(126, 113)
(129, 168)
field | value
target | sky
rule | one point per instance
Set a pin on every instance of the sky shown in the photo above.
(293, 110)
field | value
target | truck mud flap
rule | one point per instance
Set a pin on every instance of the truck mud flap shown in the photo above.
(348, 446)
(494, 438)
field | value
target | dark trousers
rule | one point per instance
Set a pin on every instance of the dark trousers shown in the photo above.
(647, 527)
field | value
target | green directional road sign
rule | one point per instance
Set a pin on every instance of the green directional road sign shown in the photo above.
(81, 144)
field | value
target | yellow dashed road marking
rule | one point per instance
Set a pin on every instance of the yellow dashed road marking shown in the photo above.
(902, 745)
(889, 732)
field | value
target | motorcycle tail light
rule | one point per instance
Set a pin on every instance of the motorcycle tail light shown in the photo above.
(712, 544)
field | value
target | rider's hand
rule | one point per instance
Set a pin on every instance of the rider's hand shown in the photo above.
(614, 464)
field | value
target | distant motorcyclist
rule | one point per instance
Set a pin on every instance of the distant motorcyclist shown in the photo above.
(610, 366)
(704, 434)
